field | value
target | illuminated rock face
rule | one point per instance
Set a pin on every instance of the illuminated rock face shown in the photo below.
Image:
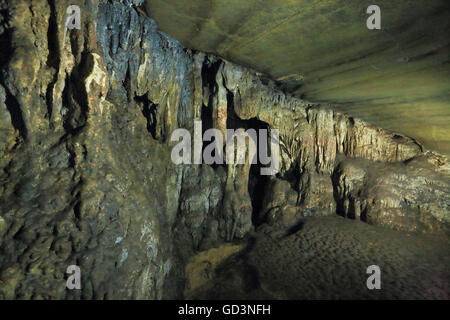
(396, 78)
(86, 176)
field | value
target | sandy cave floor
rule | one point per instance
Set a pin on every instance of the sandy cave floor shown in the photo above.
(325, 258)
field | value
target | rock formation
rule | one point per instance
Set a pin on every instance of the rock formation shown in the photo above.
(86, 176)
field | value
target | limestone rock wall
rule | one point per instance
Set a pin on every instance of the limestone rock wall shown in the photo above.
(408, 195)
(86, 176)
(82, 181)
(314, 140)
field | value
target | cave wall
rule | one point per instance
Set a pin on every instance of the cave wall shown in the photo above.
(86, 175)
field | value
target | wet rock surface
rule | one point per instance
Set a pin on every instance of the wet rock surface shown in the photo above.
(86, 176)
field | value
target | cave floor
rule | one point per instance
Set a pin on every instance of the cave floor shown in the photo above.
(327, 258)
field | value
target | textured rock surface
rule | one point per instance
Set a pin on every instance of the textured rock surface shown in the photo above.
(86, 176)
(84, 182)
(409, 195)
(314, 140)
(397, 77)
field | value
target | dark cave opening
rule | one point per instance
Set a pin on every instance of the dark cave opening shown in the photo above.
(256, 181)
(209, 73)
(149, 111)
(53, 59)
(339, 202)
(256, 188)
(341, 210)
(293, 176)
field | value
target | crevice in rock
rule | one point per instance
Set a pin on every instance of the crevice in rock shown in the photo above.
(363, 216)
(209, 74)
(77, 209)
(127, 84)
(256, 181)
(340, 209)
(149, 110)
(5, 39)
(54, 56)
(13, 107)
(75, 97)
(293, 175)
(256, 189)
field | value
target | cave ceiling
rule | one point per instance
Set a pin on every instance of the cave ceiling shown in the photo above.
(397, 77)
